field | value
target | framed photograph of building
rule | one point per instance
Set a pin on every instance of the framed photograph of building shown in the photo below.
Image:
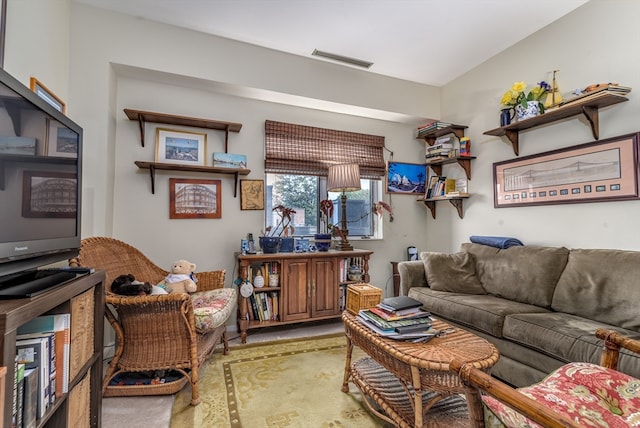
(193, 198)
(181, 147)
(49, 194)
(600, 171)
(251, 194)
(406, 178)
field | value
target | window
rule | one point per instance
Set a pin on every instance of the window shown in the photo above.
(303, 194)
(297, 159)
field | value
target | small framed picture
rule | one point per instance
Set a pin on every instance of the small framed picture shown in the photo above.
(61, 141)
(49, 194)
(406, 178)
(43, 92)
(181, 147)
(18, 146)
(251, 194)
(229, 160)
(194, 198)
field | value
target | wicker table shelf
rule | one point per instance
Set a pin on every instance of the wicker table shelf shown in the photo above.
(419, 371)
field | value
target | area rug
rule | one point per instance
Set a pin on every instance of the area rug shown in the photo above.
(293, 383)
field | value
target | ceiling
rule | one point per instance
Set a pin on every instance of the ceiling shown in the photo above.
(425, 41)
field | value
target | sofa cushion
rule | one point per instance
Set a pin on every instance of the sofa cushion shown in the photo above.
(525, 274)
(212, 308)
(566, 337)
(452, 272)
(480, 312)
(601, 285)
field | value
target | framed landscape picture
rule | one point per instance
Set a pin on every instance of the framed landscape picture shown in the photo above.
(600, 171)
(406, 178)
(195, 198)
(181, 147)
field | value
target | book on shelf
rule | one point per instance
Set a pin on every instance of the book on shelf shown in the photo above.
(30, 400)
(34, 354)
(60, 324)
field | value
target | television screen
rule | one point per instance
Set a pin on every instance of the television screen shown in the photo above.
(40, 181)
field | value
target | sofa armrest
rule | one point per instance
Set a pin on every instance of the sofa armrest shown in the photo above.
(511, 397)
(411, 275)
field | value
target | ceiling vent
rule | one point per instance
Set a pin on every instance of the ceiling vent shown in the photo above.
(340, 58)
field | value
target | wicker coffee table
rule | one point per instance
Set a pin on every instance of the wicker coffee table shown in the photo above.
(401, 381)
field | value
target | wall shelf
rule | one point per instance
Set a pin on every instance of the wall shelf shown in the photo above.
(153, 166)
(456, 202)
(172, 119)
(588, 107)
(463, 161)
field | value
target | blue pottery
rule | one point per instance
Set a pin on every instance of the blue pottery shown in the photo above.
(286, 245)
(269, 244)
(323, 241)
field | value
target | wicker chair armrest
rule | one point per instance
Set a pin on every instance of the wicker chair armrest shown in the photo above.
(613, 342)
(210, 280)
(511, 397)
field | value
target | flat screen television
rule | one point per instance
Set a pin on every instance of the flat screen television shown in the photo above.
(40, 189)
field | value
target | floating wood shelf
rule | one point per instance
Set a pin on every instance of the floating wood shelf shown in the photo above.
(153, 166)
(463, 161)
(430, 137)
(588, 107)
(456, 202)
(172, 119)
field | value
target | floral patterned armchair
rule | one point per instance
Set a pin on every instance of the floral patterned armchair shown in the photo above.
(575, 395)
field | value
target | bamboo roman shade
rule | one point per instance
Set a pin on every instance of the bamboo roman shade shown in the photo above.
(306, 150)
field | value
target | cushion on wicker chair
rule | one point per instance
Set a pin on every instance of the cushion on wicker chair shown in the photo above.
(212, 308)
(589, 394)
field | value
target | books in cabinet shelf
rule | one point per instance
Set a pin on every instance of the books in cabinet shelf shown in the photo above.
(34, 354)
(60, 325)
(264, 307)
(18, 396)
(266, 269)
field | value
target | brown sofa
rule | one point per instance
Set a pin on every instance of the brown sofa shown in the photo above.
(540, 306)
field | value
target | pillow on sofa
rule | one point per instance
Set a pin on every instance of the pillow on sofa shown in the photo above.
(452, 272)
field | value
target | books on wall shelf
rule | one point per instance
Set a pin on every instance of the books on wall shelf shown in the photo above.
(595, 91)
(441, 186)
(432, 126)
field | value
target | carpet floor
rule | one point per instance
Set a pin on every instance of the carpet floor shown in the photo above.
(289, 383)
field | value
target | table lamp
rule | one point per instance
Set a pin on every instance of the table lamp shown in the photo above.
(344, 178)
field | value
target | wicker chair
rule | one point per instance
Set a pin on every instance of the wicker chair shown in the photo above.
(575, 395)
(156, 332)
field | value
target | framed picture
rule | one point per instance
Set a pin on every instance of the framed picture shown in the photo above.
(49, 194)
(251, 194)
(192, 198)
(229, 160)
(18, 146)
(43, 92)
(180, 147)
(61, 141)
(600, 171)
(406, 178)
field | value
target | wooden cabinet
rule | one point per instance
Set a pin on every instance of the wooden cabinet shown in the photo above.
(84, 299)
(171, 119)
(311, 286)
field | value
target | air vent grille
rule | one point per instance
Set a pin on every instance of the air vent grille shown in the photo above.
(341, 58)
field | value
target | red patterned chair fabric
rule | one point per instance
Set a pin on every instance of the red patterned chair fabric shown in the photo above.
(591, 395)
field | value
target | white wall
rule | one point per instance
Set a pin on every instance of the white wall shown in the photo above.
(587, 47)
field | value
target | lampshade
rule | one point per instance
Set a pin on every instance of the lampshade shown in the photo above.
(344, 178)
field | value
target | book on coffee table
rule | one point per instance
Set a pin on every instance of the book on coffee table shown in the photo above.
(399, 303)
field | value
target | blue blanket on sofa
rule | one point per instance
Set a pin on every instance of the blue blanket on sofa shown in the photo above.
(496, 241)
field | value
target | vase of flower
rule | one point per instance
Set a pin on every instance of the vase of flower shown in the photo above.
(532, 109)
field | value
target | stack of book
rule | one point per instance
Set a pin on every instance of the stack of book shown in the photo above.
(432, 126)
(441, 150)
(399, 318)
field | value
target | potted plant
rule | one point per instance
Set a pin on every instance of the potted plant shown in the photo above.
(273, 234)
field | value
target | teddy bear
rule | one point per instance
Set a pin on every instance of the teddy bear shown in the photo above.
(126, 285)
(180, 278)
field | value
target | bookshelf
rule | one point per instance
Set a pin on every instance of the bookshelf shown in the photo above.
(311, 286)
(83, 298)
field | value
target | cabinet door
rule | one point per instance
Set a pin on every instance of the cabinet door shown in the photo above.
(324, 290)
(296, 289)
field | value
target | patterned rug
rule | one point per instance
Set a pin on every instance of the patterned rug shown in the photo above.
(294, 383)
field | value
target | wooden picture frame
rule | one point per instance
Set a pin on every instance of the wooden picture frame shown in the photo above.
(195, 198)
(181, 147)
(406, 178)
(599, 171)
(38, 188)
(251, 194)
(46, 94)
(60, 140)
